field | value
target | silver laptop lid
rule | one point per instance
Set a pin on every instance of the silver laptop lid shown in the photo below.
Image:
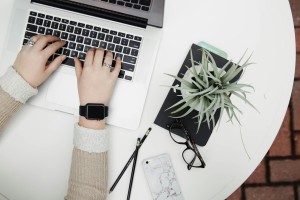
(133, 12)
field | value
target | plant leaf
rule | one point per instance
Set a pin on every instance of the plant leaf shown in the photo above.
(180, 102)
(246, 100)
(187, 112)
(186, 104)
(181, 80)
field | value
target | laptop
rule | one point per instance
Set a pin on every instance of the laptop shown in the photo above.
(129, 28)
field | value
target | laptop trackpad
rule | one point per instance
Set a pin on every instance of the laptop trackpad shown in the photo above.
(63, 90)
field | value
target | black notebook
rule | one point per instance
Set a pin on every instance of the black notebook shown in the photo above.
(163, 118)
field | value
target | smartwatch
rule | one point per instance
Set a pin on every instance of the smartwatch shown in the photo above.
(93, 111)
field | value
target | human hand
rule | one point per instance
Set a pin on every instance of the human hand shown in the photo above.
(31, 62)
(96, 82)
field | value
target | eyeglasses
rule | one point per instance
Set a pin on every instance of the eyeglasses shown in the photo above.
(190, 155)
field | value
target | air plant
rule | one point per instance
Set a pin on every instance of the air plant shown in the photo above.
(209, 89)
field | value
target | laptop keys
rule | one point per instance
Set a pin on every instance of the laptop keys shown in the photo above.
(32, 13)
(104, 30)
(101, 36)
(49, 32)
(85, 32)
(62, 27)
(88, 26)
(57, 19)
(79, 47)
(64, 35)
(47, 23)
(103, 45)
(56, 33)
(54, 25)
(81, 56)
(97, 28)
(129, 5)
(73, 23)
(69, 61)
(72, 37)
(81, 25)
(39, 21)
(134, 52)
(110, 47)
(143, 5)
(31, 28)
(41, 15)
(41, 30)
(134, 44)
(127, 66)
(81, 37)
(74, 54)
(28, 35)
(65, 21)
(49, 17)
(145, 2)
(87, 41)
(31, 20)
(70, 29)
(108, 38)
(77, 31)
(95, 43)
(72, 45)
(129, 59)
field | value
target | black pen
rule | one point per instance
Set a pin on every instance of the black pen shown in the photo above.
(129, 161)
(133, 168)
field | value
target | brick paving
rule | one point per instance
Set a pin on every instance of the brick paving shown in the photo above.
(277, 177)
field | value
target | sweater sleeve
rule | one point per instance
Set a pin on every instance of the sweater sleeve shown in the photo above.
(14, 91)
(88, 176)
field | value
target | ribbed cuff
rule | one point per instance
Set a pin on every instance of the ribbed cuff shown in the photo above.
(12, 83)
(90, 140)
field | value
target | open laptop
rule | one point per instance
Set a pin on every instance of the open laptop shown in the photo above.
(130, 28)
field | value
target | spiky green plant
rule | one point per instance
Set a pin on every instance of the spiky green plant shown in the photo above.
(210, 88)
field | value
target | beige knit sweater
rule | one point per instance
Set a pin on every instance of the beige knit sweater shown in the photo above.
(88, 174)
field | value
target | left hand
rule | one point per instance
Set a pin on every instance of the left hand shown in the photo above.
(31, 62)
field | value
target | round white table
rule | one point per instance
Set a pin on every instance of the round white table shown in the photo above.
(35, 149)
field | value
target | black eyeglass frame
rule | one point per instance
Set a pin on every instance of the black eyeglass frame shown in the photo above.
(187, 144)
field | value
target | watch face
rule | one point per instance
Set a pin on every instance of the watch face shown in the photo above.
(95, 112)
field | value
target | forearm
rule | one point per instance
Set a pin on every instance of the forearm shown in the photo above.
(88, 175)
(14, 91)
(8, 106)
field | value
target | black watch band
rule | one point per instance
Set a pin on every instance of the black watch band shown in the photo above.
(93, 111)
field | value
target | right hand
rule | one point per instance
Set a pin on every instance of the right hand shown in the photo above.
(95, 81)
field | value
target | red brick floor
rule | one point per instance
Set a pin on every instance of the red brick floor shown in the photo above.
(277, 177)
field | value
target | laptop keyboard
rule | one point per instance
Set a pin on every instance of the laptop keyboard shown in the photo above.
(81, 37)
(143, 5)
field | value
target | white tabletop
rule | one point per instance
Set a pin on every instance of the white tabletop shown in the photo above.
(35, 150)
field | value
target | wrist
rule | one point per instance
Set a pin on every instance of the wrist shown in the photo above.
(91, 124)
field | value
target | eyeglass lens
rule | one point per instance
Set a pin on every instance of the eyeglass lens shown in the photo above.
(188, 155)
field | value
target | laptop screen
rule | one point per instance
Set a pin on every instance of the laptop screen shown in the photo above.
(133, 12)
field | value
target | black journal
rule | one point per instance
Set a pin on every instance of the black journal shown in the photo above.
(163, 118)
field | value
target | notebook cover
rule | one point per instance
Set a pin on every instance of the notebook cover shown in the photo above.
(163, 118)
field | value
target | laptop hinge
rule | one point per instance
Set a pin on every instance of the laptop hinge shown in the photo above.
(95, 11)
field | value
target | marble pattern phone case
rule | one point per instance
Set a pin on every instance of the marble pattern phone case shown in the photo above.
(161, 178)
